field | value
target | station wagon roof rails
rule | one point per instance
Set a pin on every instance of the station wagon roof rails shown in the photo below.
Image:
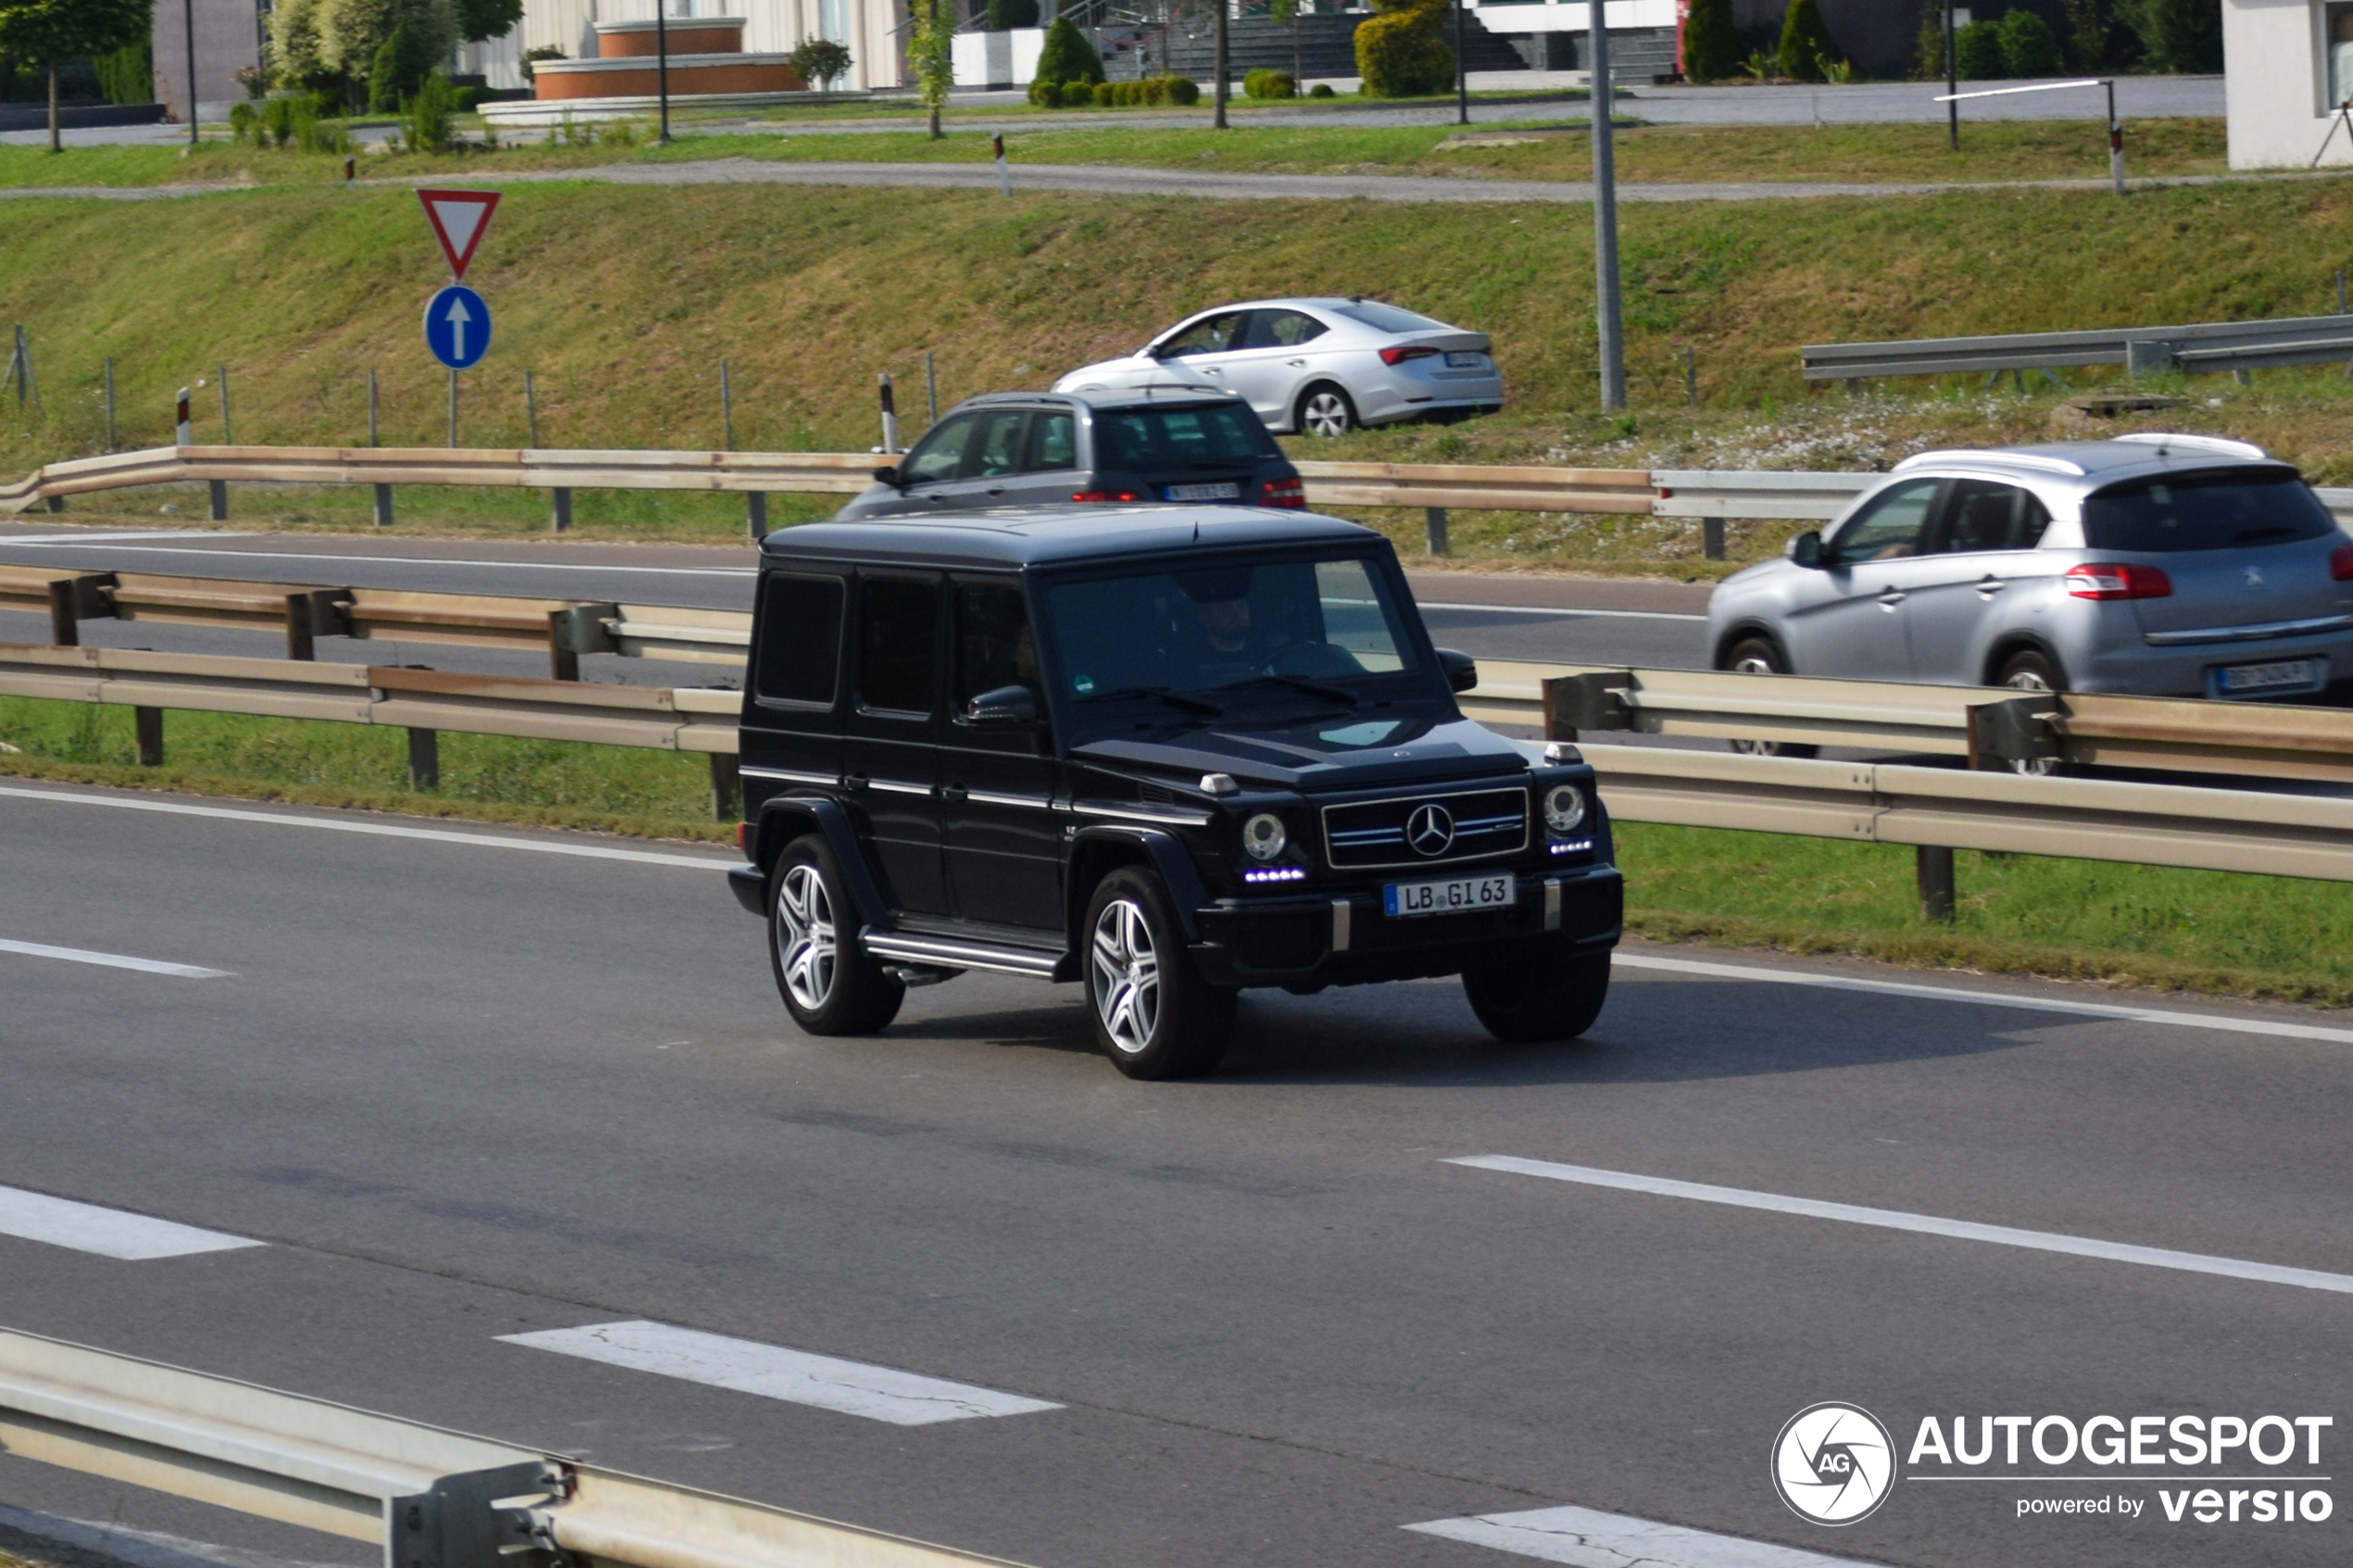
(2162, 439)
(2013, 459)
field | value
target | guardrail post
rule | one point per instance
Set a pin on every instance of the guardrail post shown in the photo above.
(2148, 359)
(2013, 729)
(1711, 538)
(1434, 520)
(1592, 701)
(147, 722)
(299, 631)
(383, 505)
(424, 760)
(562, 497)
(758, 514)
(1932, 863)
(726, 788)
(217, 489)
(65, 624)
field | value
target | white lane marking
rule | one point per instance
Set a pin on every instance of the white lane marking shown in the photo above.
(112, 961)
(404, 561)
(2278, 1027)
(116, 537)
(903, 1399)
(379, 830)
(1586, 1537)
(110, 1233)
(1926, 1224)
(1562, 609)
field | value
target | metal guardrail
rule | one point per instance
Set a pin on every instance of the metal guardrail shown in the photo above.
(2207, 345)
(433, 1499)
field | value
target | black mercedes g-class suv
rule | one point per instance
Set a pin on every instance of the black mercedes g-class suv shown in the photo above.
(1167, 751)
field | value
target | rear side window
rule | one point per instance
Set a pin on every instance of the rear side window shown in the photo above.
(1985, 516)
(1053, 443)
(800, 658)
(1180, 438)
(898, 638)
(998, 450)
(1281, 329)
(2233, 508)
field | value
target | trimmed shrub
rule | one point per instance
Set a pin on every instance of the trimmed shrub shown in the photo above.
(1978, 48)
(1182, 91)
(1046, 95)
(2029, 47)
(1806, 45)
(241, 117)
(1712, 46)
(1270, 84)
(1322, 90)
(1402, 51)
(1078, 95)
(1105, 95)
(398, 70)
(1067, 57)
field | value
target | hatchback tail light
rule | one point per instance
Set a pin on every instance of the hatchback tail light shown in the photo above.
(2341, 563)
(1399, 356)
(1101, 495)
(2118, 581)
(1290, 493)
(743, 838)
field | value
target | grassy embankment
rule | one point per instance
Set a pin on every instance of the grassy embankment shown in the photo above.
(2194, 930)
(623, 300)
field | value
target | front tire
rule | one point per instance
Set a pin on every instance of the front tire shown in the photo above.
(1324, 409)
(1539, 997)
(828, 985)
(1759, 656)
(2032, 671)
(1153, 1016)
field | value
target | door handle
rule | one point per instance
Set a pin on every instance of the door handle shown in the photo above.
(856, 782)
(1991, 585)
(1891, 599)
(996, 490)
(953, 791)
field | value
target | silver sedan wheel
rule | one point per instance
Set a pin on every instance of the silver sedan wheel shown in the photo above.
(2031, 767)
(805, 939)
(1324, 413)
(1126, 975)
(1755, 664)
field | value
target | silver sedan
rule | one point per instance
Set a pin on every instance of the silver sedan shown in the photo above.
(1320, 365)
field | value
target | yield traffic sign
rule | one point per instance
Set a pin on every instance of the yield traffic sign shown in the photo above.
(457, 327)
(458, 218)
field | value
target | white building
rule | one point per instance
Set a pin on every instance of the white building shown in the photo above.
(873, 31)
(2288, 71)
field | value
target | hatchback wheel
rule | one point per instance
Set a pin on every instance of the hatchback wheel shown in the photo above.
(1326, 410)
(2031, 671)
(1154, 1017)
(829, 987)
(1756, 655)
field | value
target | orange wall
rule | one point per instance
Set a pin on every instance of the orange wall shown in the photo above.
(685, 39)
(635, 80)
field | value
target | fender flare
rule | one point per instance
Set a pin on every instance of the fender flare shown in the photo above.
(1168, 859)
(784, 818)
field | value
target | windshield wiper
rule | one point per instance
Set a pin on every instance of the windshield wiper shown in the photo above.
(1173, 700)
(1313, 688)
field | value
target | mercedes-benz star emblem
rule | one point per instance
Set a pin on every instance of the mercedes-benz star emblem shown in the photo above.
(1430, 829)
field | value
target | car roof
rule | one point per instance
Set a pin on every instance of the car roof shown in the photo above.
(1165, 394)
(1016, 536)
(2089, 465)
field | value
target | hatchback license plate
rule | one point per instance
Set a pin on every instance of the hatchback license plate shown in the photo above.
(1226, 492)
(2280, 675)
(1455, 896)
(1465, 362)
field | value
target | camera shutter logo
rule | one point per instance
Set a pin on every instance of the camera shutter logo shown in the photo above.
(1833, 1463)
(1430, 829)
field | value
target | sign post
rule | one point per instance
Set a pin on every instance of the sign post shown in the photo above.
(456, 319)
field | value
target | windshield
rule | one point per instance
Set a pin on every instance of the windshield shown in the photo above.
(1210, 435)
(1308, 630)
(2230, 509)
(1388, 318)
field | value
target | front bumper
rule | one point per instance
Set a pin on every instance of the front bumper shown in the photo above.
(1310, 940)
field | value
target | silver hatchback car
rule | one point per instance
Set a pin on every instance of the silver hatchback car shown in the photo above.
(2164, 565)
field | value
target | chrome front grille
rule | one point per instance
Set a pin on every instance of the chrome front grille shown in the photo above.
(1374, 835)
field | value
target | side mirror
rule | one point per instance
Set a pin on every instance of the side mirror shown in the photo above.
(1007, 707)
(1462, 670)
(887, 475)
(1806, 549)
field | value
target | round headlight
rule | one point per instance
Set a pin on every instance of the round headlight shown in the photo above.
(1564, 807)
(1264, 837)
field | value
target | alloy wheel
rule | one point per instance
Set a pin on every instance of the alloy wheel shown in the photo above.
(1126, 975)
(805, 937)
(1324, 413)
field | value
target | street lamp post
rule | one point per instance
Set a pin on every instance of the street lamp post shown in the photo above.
(1952, 81)
(1461, 71)
(188, 9)
(662, 62)
(1607, 312)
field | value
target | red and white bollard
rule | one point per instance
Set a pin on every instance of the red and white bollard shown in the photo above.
(187, 433)
(890, 417)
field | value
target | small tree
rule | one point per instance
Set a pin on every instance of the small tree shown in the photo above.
(1712, 46)
(54, 31)
(352, 33)
(481, 20)
(931, 55)
(2184, 36)
(2029, 47)
(2089, 27)
(1806, 45)
(398, 72)
(432, 115)
(1929, 64)
(820, 61)
(1979, 49)
(1066, 55)
(1401, 52)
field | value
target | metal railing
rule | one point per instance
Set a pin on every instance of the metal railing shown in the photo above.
(2205, 345)
(433, 1499)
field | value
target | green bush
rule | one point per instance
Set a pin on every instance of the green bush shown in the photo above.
(1402, 51)
(398, 71)
(1107, 94)
(2029, 47)
(1712, 46)
(1066, 55)
(469, 99)
(1806, 44)
(2183, 35)
(241, 119)
(1322, 90)
(1044, 94)
(1270, 84)
(1182, 91)
(1978, 47)
(820, 62)
(1078, 95)
(1007, 14)
(126, 75)
(431, 115)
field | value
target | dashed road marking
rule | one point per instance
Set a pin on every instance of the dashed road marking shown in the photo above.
(112, 961)
(109, 1232)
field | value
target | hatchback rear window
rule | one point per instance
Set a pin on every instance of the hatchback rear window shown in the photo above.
(1212, 436)
(1388, 318)
(2226, 510)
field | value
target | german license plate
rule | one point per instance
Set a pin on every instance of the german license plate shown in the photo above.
(1454, 895)
(2280, 675)
(1226, 492)
(1465, 362)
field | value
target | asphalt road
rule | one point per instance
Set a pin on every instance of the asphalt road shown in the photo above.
(1563, 619)
(464, 1089)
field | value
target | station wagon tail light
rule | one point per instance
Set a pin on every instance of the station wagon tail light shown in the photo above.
(2341, 563)
(2118, 581)
(743, 838)
(1292, 493)
(1102, 496)
(1399, 356)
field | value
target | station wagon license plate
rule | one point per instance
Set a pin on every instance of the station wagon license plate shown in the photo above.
(1226, 492)
(1459, 361)
(2279, 675)
(1454, 895)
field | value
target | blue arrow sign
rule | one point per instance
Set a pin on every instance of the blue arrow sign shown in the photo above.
(457, 327)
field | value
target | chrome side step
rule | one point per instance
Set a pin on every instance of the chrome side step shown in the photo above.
(947, 953)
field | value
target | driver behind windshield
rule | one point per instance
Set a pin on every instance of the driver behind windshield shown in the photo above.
(1220, 640)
